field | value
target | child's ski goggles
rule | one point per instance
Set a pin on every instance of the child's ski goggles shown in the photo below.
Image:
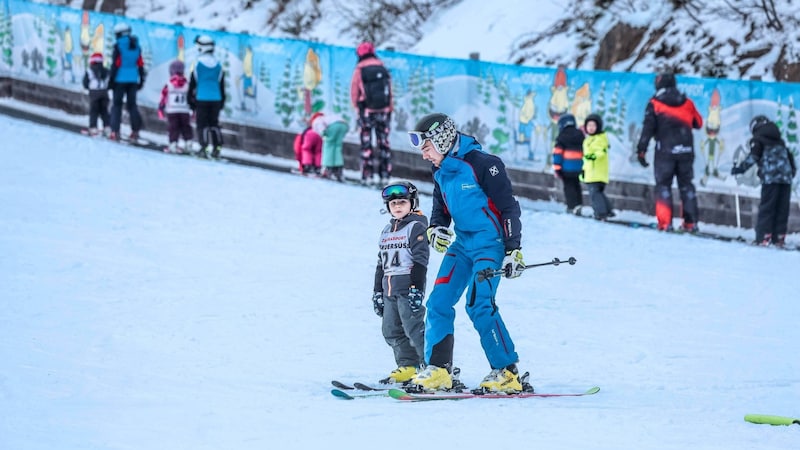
(395, 191)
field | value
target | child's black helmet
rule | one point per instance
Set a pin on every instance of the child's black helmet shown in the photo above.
(757, 122)
(567, 120)
(401, 190)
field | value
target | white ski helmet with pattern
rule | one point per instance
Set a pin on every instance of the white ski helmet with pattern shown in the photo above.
(439, 128)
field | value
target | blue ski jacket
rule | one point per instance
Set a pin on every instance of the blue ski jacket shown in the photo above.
(472, 188)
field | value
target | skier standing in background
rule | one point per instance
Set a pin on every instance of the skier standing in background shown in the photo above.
(207, 97)
(371, 96)
(332, 129)
(175, 104)
(95, 79)
(776, 169)
(670, 117)
(568, 161)
(126, 79)
(595, 166)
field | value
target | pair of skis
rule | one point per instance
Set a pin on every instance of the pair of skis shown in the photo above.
(361, 390)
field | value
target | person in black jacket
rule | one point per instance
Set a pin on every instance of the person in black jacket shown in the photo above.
(95, 79)
(776, 169)
(568, 161)
(669, 118)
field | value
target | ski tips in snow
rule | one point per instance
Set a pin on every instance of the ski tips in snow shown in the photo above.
(766, 419)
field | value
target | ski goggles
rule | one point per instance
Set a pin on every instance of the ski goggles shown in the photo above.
(395, 191)
(417, 138)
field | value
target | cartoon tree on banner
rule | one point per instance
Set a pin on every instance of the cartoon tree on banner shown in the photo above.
(297, 90)
(283, 103)
(263, 76)
(226, 71)
(147, 58)
(612, 121)
(779, 115)
(428, 84)
(6, 38)
(501, 131)
(487, 89)
(791, 127)
(51, 61)
(108, 48)
(341, 101)
(623, 112)
(600, 102)
(417, 85)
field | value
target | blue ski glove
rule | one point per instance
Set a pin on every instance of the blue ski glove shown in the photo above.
(377, 303)
(440, 238)
(415, 297)
(513, 265)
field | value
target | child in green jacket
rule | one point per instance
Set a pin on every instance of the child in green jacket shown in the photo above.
(595, 166)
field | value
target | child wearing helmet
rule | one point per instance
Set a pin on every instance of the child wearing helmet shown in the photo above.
(175, 105)
(95, 79)
(776, 169)
(207, 97)
(568, 161)
(400, 276)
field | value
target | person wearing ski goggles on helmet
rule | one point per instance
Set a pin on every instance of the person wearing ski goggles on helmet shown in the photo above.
(400, 276)
(472, 190)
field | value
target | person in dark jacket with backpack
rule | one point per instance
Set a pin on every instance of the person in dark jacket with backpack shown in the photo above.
(371, 95)
(776, 169)
(669, 118)
(568, 161)
(126, 78)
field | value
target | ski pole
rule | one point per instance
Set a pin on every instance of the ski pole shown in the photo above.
(489, 273)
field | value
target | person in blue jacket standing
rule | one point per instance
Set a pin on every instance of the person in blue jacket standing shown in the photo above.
(472, 190)
(207, 97)
(126, 78)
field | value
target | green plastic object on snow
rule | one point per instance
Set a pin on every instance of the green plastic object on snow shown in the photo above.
(771, 420)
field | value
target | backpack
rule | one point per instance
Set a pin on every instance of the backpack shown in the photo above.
(777, 165)
(377, 86)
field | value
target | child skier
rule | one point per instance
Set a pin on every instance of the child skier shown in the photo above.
(175, 104)
(776, 168)
(595, 166)
(95, 79)
(400, 280)
(568, 161)
(332, 128)
(308, 151)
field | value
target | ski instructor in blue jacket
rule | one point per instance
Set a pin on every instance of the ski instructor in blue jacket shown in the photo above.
(126, 79)
(472, 190)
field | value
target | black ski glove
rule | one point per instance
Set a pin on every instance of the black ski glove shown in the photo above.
(642, 161)
(736, 170)
(415, 297)
(377, 303)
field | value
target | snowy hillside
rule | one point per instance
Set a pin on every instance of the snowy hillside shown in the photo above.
(716, 38)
